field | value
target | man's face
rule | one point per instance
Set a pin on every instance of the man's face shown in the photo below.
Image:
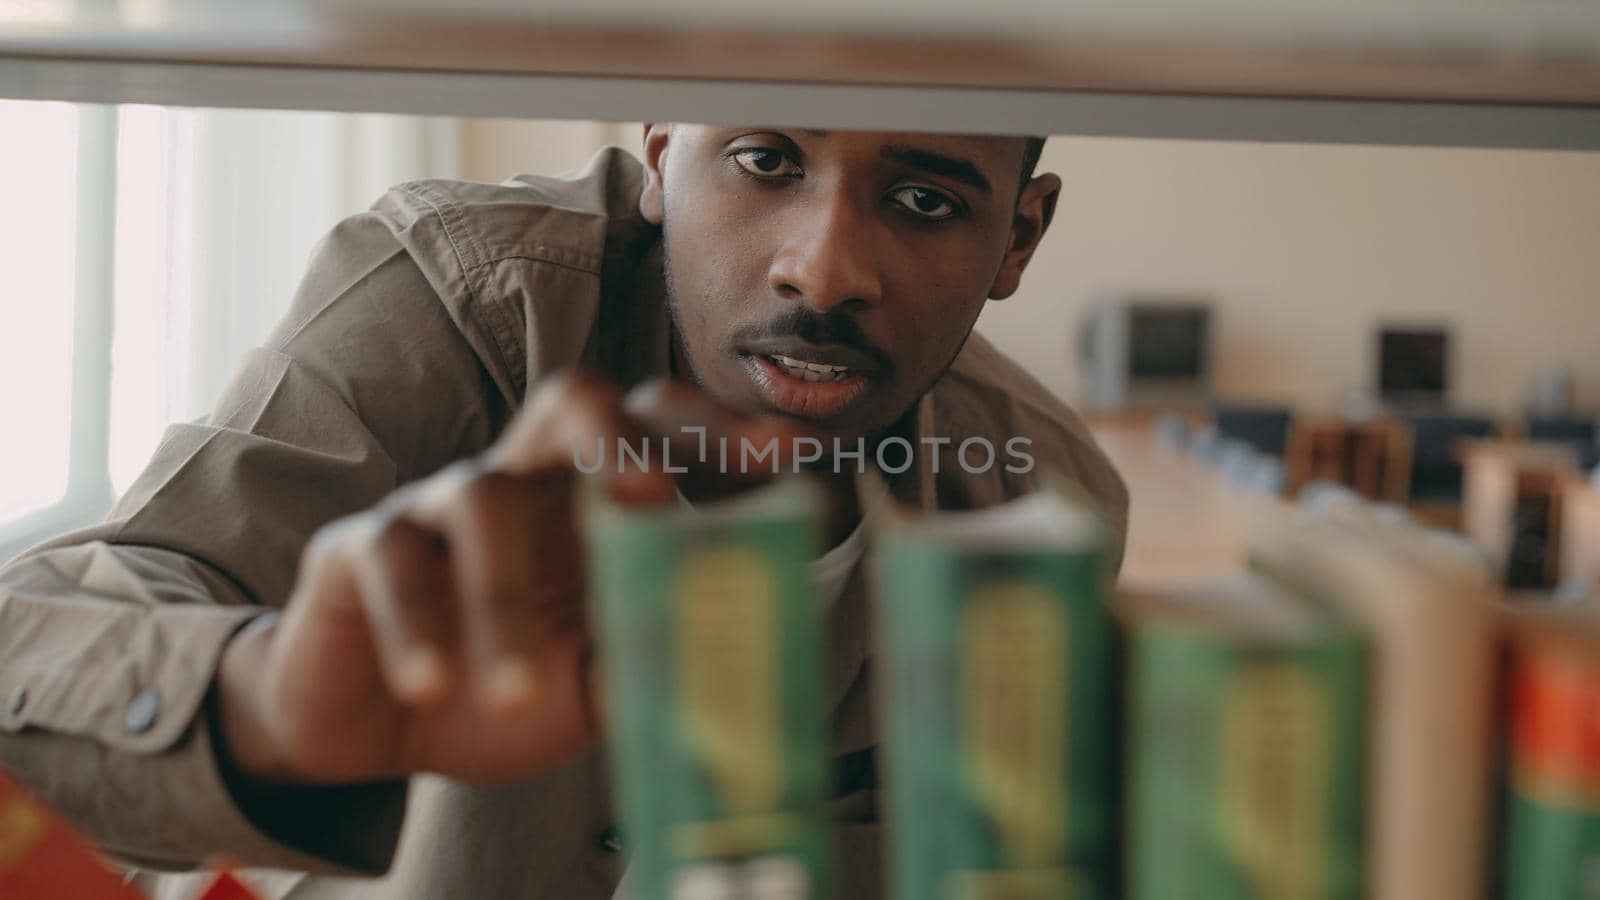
(833, 276)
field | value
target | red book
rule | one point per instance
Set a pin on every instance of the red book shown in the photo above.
(228, 887)
(1552, 801)
(41, 858)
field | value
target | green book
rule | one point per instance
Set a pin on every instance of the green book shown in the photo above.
(1247, 742)
(1552, 847)
(711, 647)
(998, 668)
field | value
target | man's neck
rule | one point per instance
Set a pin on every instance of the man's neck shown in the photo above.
(843, 511)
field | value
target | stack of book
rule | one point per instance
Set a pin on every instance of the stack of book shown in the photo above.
(1356, 715)
(1360, 715)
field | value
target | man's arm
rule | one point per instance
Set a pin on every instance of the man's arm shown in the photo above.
(436, 628)
(110, 638)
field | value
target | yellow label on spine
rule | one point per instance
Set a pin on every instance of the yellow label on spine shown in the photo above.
(1274, 786)
(728, 670)
(22, 824)
(1014, 706)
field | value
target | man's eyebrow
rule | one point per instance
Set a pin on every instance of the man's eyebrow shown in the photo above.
(956, 167)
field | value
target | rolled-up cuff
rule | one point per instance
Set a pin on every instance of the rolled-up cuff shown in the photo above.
(111, 730)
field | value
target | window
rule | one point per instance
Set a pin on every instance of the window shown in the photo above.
(37, 293)
(145, 249)
(154, 283)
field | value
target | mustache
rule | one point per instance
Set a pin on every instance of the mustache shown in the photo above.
(803, 325)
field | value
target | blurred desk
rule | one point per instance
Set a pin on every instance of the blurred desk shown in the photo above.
(1185, 521)
(1409, 72)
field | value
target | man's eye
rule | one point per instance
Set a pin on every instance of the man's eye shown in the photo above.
(928, 204)
(763, 162)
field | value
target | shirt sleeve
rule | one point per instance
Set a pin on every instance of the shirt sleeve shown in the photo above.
(110, 636)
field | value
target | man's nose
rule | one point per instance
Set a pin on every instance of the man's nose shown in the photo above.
(829, 259)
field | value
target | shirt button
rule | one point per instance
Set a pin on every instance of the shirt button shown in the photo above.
(19, 701)
(609, 839)
(144, 709)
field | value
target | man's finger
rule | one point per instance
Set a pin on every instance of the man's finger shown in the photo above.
(577, 422)
(519, 570)
(402, 573)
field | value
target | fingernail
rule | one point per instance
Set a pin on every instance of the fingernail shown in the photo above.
(510, 685)
(422, 673)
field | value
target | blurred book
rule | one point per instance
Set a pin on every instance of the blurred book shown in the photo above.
(42, 858)
(998, 689)
(1424, 600)
(711, 646)
(1551, 833)
(1247, 708)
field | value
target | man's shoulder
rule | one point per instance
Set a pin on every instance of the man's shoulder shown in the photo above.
(987, 393)
(572, 221)
(986, 387)
(520, 265)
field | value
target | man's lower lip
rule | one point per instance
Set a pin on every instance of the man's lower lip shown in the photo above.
(798, 397)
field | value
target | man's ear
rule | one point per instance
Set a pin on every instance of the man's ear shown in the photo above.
(656, 137)
(1035, 208)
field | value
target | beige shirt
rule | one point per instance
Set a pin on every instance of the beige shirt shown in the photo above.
(410, 342)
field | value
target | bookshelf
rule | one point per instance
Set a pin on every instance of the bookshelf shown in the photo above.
(1458, 673)
(1491, 73)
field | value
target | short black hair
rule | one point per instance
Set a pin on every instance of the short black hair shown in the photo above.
(1030, 160)
(1030, 157)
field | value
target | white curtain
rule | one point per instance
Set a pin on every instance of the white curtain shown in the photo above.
(243, 196)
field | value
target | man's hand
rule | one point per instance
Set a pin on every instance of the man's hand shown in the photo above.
(444, 630)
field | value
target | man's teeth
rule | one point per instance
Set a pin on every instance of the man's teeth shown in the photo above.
(809, 371)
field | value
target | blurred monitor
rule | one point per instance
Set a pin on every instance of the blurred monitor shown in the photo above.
(1147, 351)
(1413, 365)
(1167, 342)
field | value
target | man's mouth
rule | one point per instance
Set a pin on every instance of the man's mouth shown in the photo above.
(807, 388)
(808, 371)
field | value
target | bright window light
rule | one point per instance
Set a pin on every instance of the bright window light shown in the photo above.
(149, 359)
(37, 259)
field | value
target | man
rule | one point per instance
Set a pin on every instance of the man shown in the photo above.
(394, 471)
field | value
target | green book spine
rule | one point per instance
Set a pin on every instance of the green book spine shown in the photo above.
(998, 691)
(1553, 849)
(710, 639)
(1552, 829)
(1246, 771)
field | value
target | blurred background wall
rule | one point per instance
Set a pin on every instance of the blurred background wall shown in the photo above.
(1305, 250)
